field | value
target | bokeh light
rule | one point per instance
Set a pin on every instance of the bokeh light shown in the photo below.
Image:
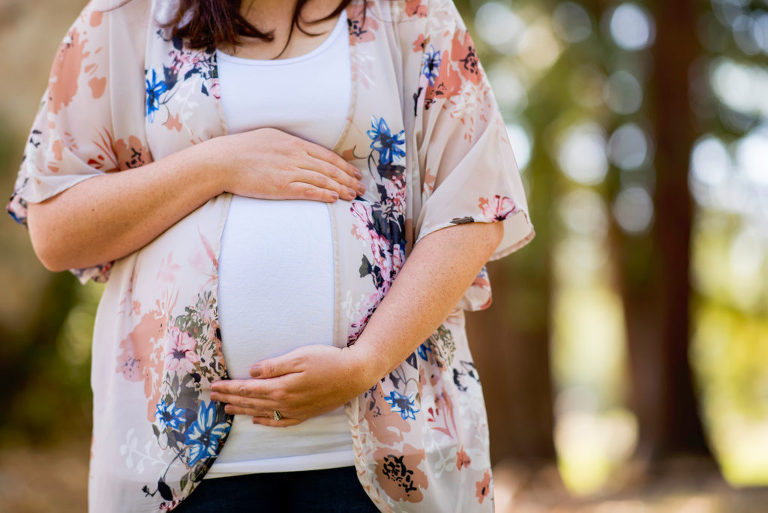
(509, 89)
(572, 22)
(521, 144)
(631, 27)
(752, 155)
(583, 211)
(710, 162)
(581, 153)
(741, 87)
(500, 27)
(628, 147)
(623, 93)
(633, 209)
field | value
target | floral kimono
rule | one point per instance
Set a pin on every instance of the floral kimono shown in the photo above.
(424, 128)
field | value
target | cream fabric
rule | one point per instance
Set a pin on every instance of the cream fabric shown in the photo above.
(425, 130)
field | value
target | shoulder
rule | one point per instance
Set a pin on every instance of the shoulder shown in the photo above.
(424, 16)
(409, 9)
(120, 8)
(99, 16)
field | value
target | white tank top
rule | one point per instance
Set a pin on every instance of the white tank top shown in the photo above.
(267, 244)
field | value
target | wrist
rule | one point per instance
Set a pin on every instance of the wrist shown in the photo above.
(367, 365)
(205, 158)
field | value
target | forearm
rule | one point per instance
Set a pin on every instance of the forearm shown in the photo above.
(109, 216)
(431, 282)
(315, 379)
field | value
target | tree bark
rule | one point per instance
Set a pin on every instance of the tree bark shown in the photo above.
(655, 270)
(510, 346)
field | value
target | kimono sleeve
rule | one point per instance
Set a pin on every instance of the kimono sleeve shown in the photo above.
(70, 139)
(468, 167)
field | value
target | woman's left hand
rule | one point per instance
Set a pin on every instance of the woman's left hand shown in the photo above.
(308, 381)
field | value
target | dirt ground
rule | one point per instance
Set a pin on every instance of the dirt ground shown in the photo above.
(47, 480)
(54, 479)
(683, 485)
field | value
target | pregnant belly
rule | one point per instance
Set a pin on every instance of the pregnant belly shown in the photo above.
(276, 279)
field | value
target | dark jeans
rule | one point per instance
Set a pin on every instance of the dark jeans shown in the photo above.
(335, 490)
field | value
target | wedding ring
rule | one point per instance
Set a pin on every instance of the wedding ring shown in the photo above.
(277, 415)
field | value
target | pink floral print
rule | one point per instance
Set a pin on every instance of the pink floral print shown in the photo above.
(426, 133)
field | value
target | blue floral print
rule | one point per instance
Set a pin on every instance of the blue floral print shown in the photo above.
(383, 141)
(431, 65)
(204, 434)
(421, 431)
(182, 64)
(155, 88)
(169, 416)
(402, 404)
(423, 349)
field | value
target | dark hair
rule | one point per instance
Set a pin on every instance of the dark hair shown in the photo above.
(213, 22)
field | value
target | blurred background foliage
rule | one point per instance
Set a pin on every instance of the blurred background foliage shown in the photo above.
(625, 357)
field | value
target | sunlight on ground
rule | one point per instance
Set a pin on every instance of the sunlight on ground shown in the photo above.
(729, 349)
(595, 432)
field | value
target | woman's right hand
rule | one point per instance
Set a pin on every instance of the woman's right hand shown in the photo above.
(114, 214)
(272, 164)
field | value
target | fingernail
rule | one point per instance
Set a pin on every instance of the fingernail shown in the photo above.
(214, 396)
(335, 195)
(358, 174)
(256, 369)
(352, 191)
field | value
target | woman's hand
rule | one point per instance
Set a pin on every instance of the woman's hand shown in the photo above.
(308, 381)
(272, 164)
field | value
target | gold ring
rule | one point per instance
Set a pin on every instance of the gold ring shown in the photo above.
(277, 415)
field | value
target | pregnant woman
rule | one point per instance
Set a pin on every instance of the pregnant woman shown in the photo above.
(290, 225)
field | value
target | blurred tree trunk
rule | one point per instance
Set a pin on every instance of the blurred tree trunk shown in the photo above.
(655, 269)
(510, 340)
(510, 345)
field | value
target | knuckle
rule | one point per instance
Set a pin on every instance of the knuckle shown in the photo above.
(280, 179)
(294, 149)
(333, 172)
(307, 178)
(268, 182)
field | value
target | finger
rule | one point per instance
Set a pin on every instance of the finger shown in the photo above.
(230, 409)
(242, 387)
(319, 179)
(333, 172)
(277, 366)
(303, 190)
(245, 402)
(323, 153)
(269, 421)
